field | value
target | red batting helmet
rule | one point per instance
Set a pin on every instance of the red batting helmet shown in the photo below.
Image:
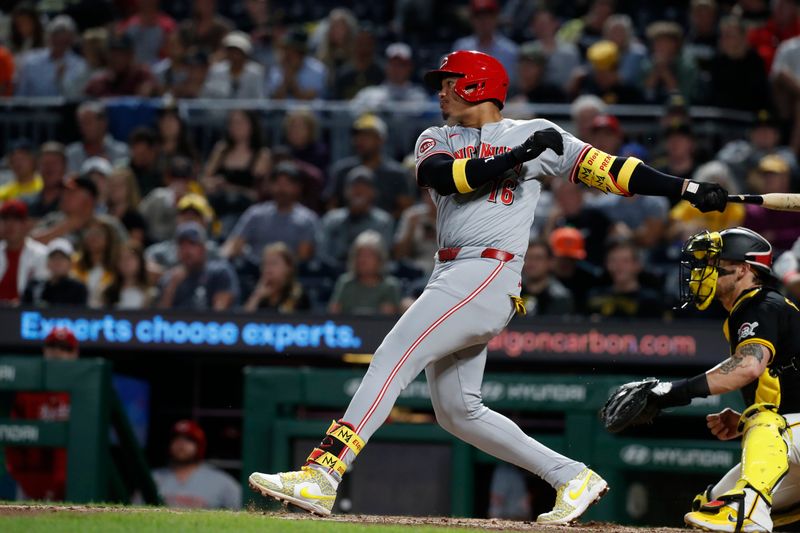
(482, 77)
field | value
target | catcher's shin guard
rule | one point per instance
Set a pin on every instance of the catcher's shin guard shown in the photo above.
(330, 453)
(703, 498)
(765, 457)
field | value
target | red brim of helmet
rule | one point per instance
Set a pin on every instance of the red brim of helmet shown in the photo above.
(433, 78)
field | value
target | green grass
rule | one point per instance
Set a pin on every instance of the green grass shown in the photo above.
(142, 521)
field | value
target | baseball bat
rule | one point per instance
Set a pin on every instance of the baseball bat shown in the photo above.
(774, 200)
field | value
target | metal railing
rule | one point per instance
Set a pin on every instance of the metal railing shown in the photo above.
(42, 119)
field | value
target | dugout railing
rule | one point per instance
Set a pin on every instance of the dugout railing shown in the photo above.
(95, 472)
(280, 406)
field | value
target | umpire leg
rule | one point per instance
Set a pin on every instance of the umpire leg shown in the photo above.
(455, 383)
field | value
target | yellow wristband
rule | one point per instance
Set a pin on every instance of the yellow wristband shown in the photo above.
(626, 171)
(460, 176)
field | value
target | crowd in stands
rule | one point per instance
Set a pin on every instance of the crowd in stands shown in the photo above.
(255, 224)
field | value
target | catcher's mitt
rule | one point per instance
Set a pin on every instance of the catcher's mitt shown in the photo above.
(632, 404)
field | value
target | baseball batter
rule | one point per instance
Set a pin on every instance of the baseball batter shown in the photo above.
(481, 171)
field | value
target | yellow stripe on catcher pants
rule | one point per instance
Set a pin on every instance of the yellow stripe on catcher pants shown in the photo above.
(765, 457)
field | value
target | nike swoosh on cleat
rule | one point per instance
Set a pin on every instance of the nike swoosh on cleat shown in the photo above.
(575, 494)
(305, 493)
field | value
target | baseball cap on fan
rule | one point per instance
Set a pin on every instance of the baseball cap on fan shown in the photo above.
(370, 122)
(609, 122)
(568, 242)
(14, 208)
(484, 6)
(398, 51)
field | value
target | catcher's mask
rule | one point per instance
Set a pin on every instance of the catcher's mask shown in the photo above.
(701, 255)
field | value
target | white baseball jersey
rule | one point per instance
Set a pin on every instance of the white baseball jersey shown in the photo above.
(499, 214)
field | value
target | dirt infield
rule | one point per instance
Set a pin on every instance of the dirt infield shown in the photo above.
(476, 523)
(484, 524)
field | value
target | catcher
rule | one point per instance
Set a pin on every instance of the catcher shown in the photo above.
(734, 266)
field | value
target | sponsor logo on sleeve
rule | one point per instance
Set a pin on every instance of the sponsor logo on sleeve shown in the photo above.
(748, 329)
(426, 145)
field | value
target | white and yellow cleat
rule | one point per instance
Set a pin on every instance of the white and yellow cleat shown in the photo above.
(574, 497)
(309, 488)
(722, 514)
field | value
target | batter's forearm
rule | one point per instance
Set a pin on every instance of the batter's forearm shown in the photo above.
(625, 176)
(449, 176)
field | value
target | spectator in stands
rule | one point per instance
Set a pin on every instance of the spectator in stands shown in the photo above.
(236, 76)
(41, 472)
(206, 29)
(670, 69)
(362, 70)
(193, 208)
(606, 134)
(570, 266)
(25, 181)
(302, 136)
(96, 261)
(702, 38)
(283, 219)
(159, 207)
(22, 259)
(122, 203)
(235, 167)
(130, 288)
(53, 169)
(625, 297)
(742, 155)
(571, 211)
(76, 210)
(277, 288)
(738, 78)
(531, 85)
(98, 170)
(391, 182)
(94, 49)
(197, 282)
(7, 72)
(632, 54)
(261, 25)
(340, 227)
(297, 75)
(397, 87)
(415, 239)
(365, 289)
(587, 30)
(679, 150)
(562, 57)
(781, 228)
(95, 139)
(486, 37)
(603, 77)
(583, 110)
(542, 293)
(145, 159)
(27, 32)
(687, 221)
(785, 81)
(55, 70)
(336, 40)
(174, 137)
(124, 76)
(149, 28)
(59, 288)
(783, 24)
(190, 482)
(171, 72)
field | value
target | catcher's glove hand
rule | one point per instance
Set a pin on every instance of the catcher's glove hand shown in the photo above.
(633, 404)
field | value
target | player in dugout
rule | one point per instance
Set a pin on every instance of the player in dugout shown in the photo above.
(482, 171)
(763, 491)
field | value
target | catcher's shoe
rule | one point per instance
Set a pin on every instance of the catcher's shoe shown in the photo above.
(702, 499)
(733, 512)
(574, 497)
(309, 488)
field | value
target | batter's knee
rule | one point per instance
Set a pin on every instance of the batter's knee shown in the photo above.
(455, 411)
